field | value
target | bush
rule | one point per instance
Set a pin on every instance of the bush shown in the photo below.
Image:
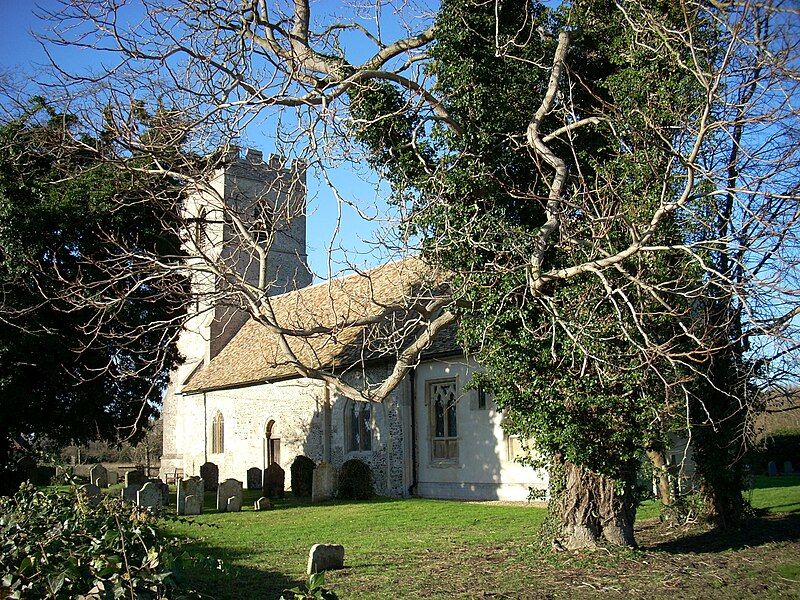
(355, 480)
(56, 544)
(302, 476)
(313, 590)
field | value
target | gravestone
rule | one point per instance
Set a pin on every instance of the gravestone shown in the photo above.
(787, 468)
(193, 486)
(323, 483)
(92, 493)
(209, 472)
(234, 504)
(62, 472)
(772, 468)
(262, 504)
(134, 477)
(98, 475)
(113, 477)
(274, 478)
(325, 557)
(163, 487)
(149, 497)
(192, 505)
(230, 488)
(254, 478)
(129, 493)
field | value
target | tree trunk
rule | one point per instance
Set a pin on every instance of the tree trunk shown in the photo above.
(592, 507)
(656, 456)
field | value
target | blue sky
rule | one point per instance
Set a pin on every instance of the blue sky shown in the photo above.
(22, 57)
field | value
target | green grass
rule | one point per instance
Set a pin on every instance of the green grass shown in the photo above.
(773, 494)
(445, 549)
(776, 494)
(384, 539)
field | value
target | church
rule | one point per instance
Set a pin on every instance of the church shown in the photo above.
(239, 402)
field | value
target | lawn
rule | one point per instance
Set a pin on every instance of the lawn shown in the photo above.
(442, 549)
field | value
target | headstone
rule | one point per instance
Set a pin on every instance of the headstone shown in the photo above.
(62, 472)
(164, 490)
(787, 468)
(209, 472)
(98, 475)
(134, 477)
(263, 504)
(274, 478)
(772, 468)
(230, 488)
(193, 486)
(323, 484)
(82, 471)
(92, 493)
(234, 504)
(325, 557)
(254, 478)
(192, 505)
(149, 497)
(129, 493)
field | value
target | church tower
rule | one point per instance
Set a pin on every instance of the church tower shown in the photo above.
(250, 210)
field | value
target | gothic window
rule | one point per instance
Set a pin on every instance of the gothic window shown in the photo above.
(273, 444)
(358, 426)
(442, 399)
(218, 434)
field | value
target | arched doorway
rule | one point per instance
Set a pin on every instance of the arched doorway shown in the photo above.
(272, 445)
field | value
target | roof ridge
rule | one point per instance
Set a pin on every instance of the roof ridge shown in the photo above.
(345, 277)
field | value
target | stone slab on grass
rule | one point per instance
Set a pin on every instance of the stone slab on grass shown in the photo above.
(325, 557)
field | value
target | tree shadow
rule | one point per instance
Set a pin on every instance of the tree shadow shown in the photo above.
(755, 532)
(777, 481)
(216, 572)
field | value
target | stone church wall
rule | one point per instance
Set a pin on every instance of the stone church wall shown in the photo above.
(295, 406)
(387, 457)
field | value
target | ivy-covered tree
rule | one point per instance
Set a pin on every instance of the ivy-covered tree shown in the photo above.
(574, 366)
(71, 374)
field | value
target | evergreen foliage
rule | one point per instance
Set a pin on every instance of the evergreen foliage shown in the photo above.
(302, 476)
(72, 375)
(568, 368)
(355, 480)
(55, 544)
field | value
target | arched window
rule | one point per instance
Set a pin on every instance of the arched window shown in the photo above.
(443, 401)
(358, 426)
(273, 444)
(218, 434)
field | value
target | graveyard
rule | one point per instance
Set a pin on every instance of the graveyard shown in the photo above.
(243, 545)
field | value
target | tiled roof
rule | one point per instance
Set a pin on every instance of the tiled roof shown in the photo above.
(368, 320)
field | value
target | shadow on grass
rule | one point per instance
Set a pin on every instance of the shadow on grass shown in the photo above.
(779, 481)
(756, 532)
(250, 496)
(213, 573)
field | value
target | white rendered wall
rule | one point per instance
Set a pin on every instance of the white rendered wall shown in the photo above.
(483, 470)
